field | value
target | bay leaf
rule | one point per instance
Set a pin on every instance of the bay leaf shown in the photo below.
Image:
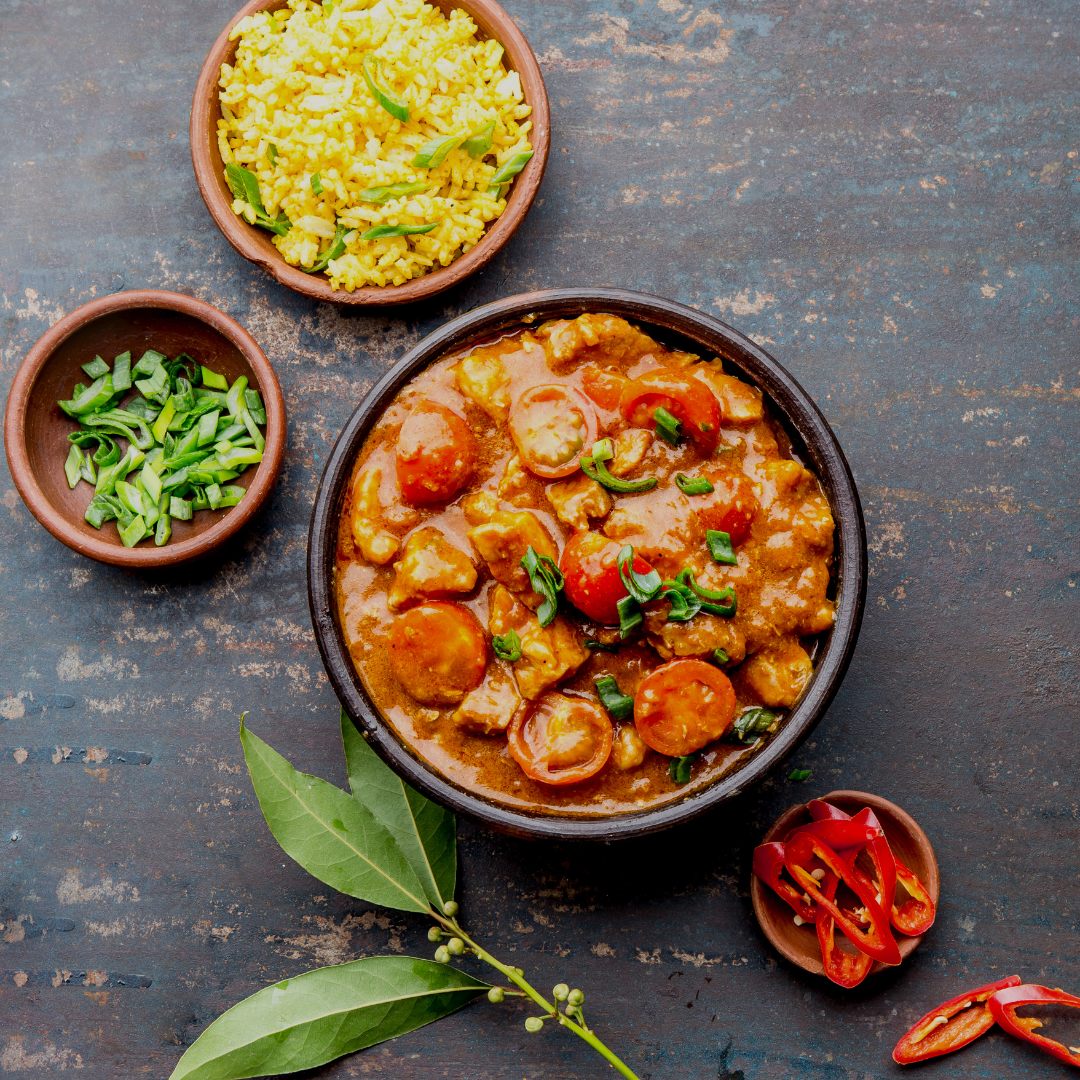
(425, 832)
(332, 835)
(306, 1021)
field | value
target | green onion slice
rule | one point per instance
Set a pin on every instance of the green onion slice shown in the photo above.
(594, 467)
(799, 774)
(679, 769)
(388, 192)
(510, 168)
(618, 704)
(433, 153)
(752, 723)
(630, 617)
(272, 153)
(696, 485)
(479, 142)
(720, 547)
(720, 657)
(642, 587)
(602, 646)
(507, 646)
(334, 251)
(389, 101)
(316, 184)
(684, 602)
(547, 580)
(397, 230)
(668, 427)
(96, 368)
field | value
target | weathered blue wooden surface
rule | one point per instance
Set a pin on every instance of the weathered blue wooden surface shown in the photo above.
(884, 193)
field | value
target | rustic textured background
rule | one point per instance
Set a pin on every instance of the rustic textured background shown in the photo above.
(881, 191)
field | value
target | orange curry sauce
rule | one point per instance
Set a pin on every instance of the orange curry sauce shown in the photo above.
(386, 567)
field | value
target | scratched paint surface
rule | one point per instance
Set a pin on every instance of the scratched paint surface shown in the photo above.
(885, 195)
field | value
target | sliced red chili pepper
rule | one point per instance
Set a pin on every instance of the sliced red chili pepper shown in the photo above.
(1003, 1006)
(878, 942)
(950, 1026)
(916, 915)
(768, 862)
(841, 967)
(841, 835)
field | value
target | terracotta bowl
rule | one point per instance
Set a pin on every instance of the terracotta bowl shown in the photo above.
(36, 431)
(799, 944)
(254, 243)
(682, 328)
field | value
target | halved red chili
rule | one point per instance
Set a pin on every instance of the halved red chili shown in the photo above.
(768, 862)
(843, 968)
(1004, 1003)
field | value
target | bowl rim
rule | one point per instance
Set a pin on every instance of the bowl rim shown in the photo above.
(796, 409)
(19, 459)
(761, 895)
(244, 238)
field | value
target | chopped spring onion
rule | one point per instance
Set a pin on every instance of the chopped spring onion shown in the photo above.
(799, 774)
(334, 251)
(479, 142)
(630, 617)
(133, 532)
(316, 184)
(668, 427)
(272, 153)
(121, 372)
(720, 657)
(720, 547)
(594, 643)
(433, 153)
(696, 485)
(509, 168)
(594, 467)
(507, 646)
(547, 580)
(96, 368)
(679, 769)
(213, 380)
(725, 602)
(73, 466)
(179, 508)
(753, 722)
(379, 231)
(389, 192)
(620, 705)
(386, 98)
(642, 587)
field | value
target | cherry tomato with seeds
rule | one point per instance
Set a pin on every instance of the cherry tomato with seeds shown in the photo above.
(559, 739)
(731, 505)
(682, 706)
(436, 454)
(686, 398)
(552, 425)
(438, 652)
(603, 387)
(593, 586)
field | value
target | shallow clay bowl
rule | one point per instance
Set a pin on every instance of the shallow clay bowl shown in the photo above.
(254, 243)
(681, 328)
(36, 430)
(799, 944)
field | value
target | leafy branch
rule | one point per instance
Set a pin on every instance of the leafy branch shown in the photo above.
(387, 844)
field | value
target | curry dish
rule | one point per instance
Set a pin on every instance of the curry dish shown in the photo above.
(582, 573)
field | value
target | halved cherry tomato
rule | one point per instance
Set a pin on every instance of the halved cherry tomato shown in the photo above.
(682, 706)
(731, 505)
(438, 652)
(551, 426)
(686, 398)
(604, 387)
(593, 585)
(559, 739)
(436, 454)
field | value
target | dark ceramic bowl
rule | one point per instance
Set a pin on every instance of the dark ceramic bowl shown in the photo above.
(799, 944)
(680, 327)
(254, 243)
(36, 430)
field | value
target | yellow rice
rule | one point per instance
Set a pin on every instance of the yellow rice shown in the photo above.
(298, 84)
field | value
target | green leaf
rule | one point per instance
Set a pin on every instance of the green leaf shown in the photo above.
(507, 646)
(361, 859)
(425, 832)
(316, 1017)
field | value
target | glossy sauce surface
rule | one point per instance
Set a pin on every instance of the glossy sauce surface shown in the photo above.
(781, 580)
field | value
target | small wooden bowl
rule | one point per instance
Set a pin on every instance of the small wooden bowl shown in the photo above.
(799, 944)
(254, 243)
(36, 430)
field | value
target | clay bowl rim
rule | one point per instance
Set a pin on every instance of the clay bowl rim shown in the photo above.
(105, 551)
(254, 244)
(671, 321)
(769, 909)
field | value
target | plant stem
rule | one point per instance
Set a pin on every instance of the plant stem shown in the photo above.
(552, 1010)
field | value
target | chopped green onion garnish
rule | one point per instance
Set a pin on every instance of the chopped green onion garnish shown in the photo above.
(507, 646)
(73, 466)
(630, 617)
(593, 643)
(684, 602)
(334, 251)
(720, 547)
(388, 192)
(380, 231)
(799, 774)
(433, 153)
(697, 485)
(547, 580)
(213, 380)
(96, 368)
(595, 468)
(479, 142)
(316, 184)
(134, 532)
(613, 699)
(510, 168)
(668, 427)
(720, 657)
(753, 722)
(121, 372)
(386, 98)
(642, 587)
(272, 153)
(679, 769)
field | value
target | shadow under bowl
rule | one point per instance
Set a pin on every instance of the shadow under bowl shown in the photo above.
(36, 430)
(799, 944)
(681, 328)
(254, 243)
